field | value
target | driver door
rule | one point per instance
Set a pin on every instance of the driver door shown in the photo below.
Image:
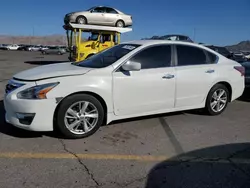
(151, 89)
(97, 16)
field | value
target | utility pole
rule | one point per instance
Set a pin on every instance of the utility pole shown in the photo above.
(33, 34)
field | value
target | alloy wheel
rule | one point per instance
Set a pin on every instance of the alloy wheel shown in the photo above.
(218, 100)
(81, 117)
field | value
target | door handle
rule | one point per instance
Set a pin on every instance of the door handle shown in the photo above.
(168, 76)
(210, 71)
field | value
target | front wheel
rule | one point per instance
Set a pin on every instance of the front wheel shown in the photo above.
(217, 100)
(79, 116)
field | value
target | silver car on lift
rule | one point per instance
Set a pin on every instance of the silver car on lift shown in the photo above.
(100, 15)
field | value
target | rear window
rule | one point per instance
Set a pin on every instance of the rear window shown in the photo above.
(108, 57)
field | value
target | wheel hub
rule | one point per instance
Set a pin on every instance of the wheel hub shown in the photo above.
(81, 117)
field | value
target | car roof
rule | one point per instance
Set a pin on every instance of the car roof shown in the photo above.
(101, 6)
(149, 42)
(158, 41)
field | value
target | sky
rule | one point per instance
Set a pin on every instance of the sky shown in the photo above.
(218, 22)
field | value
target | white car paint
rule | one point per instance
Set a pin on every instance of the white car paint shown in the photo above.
(124, 96)
(12, 47)
(34, 48)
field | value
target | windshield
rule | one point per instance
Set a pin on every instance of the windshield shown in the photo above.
(107, 57)
(93, 37)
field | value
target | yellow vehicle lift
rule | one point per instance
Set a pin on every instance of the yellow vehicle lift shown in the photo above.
(101, 38)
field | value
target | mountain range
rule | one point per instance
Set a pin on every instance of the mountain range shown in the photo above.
(34, 40)
(62, 40)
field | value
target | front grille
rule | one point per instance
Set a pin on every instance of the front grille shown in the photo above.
(66, 19)
(11, 86)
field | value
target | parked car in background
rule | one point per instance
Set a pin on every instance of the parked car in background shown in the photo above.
(34, 48)
(239, 57)
(247, 55)
(128, 80)
(247, 73)
(3, 46)
(54, 50)
(221, 50)
(23, 47)
(12, 47)
(44, 48)
(100, 15)
(173, 37)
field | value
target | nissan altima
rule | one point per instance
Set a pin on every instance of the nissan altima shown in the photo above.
(131, 79)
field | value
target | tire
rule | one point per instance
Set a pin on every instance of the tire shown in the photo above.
(81, 20)
(62, 123)
(211, 101)
(59, 53)
(120, 23)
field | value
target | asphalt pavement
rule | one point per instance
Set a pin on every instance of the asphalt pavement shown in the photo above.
(184, 149)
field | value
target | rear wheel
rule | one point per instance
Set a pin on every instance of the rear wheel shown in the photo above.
(217, 99)
(81, 20)
(80, 116)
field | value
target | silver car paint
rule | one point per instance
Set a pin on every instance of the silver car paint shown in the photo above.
(97, 18)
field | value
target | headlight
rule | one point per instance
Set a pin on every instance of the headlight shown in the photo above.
(36, 92)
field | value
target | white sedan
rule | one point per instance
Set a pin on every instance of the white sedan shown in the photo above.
(131, 79)
(12, 47)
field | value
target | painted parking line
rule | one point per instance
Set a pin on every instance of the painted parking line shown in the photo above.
(140, 158)
(82, 156)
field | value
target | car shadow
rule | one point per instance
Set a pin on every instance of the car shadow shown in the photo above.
(245, 96)
(44, 62)
(8, 129)
(213, 167)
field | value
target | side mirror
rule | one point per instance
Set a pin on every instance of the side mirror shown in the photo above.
(131, 66)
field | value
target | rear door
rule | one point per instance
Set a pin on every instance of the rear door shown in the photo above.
(195, 73)
(111, 15)
(97, 16)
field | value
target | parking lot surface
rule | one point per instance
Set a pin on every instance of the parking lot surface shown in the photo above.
(185, 149)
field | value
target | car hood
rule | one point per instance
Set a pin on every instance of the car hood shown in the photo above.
(51, 71)
(78, 12)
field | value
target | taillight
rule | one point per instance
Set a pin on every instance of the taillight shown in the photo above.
(241, 69)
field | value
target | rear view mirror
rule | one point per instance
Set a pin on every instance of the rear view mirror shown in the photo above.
(131, 66)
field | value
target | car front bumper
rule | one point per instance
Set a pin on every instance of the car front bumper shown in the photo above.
(33, 115)
(69, 19)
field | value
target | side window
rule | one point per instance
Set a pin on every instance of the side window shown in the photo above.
(98, 10)
(154, 57)
(211, 58)
(182, 38)
(188, 55)
(111, 11)
(115, 39)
